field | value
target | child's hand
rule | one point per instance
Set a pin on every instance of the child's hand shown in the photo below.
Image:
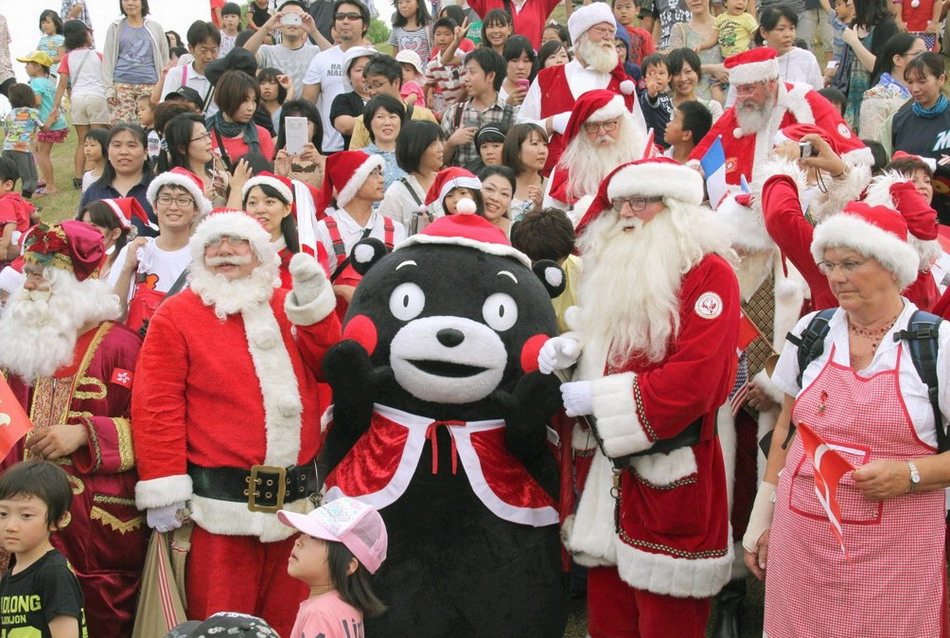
(411, 99)
(462, 31)
(168, 67)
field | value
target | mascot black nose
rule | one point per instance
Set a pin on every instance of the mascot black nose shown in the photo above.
(450, 337)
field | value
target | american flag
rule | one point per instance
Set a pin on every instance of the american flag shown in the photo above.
(740, 391)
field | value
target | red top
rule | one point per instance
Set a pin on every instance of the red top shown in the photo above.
(236, 147)
(529, 20)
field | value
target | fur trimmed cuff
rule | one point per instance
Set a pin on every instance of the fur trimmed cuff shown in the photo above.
(616, 413)
(841, 191)
(668, 576)
(313, 312)
(764, 382)
(162, 492)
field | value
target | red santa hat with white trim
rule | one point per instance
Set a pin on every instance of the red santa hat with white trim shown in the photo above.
(227, 222)
(651, 177)
(445, 182)
(345, 173)
(755, 65)
(127, 208)
(795, 133)
(183, 178)
(470, 231)
(282, 185)
(876, 232)
(597, 105)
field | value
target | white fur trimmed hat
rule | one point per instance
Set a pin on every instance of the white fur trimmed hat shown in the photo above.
(447, 180)
(232, 223)
(587, 16)
(282, 185)
(876, 232)
(183, 178)
(755, 65)
(344, 174)
(470, 231)
(657, 177)
(597, 105)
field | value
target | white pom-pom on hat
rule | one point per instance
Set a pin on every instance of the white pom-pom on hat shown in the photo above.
(465, 206)
(627, 87)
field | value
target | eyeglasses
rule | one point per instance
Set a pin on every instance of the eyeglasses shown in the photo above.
(183, 201)
(603, 31)
(635, 203)
(232, 240)
(201, 138)
(352, 17)
(376, 172)
(608, 126)
(847, 266)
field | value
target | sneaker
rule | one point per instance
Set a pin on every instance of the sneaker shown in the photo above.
(77, 183)
(40, 191)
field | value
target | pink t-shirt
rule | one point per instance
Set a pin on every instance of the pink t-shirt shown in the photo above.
(328, 616)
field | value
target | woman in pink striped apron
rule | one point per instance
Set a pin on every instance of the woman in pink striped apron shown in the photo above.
(864, 397)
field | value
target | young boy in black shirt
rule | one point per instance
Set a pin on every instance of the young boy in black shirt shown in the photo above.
(39, 594)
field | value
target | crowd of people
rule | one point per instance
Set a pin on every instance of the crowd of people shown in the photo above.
(746, 204)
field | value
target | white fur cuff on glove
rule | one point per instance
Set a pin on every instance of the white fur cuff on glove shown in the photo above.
(761, 518)
(311, 298)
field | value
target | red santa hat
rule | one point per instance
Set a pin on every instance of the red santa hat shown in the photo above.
(70, 245)
(598, 105)
(282, 185)
(876, 232)
(795, 133)
(650, 177)
(126, 208)
(587, 16)
(755, 65)
(182, 178)
(226, 222)
(345, 173)
(470, 231)
(929, 161)
(445, 181)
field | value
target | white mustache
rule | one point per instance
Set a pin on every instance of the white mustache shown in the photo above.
(236, 260)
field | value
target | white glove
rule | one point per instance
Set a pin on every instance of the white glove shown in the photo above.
(578, 397)
(164, 519)
(558, 353)
(309, 279)
(761, 517)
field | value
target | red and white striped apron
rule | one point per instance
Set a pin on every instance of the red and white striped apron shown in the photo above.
(894, 584)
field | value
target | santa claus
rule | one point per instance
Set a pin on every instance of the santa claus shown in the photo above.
(764, 104)
(596, 65)
(71, 367)
(227, 420)
(601, 134)
(656, 339)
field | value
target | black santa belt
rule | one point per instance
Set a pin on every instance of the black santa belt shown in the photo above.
(689, 436)
(265, 488)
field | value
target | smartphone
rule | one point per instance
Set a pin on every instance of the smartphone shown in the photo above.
(805, 150)
(291, 19)
(295, 132)
(523, 84)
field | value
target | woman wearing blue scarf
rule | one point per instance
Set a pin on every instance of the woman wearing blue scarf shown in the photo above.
(233, 131)
(921, 126)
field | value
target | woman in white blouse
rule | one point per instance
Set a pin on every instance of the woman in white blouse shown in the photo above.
(419, 153)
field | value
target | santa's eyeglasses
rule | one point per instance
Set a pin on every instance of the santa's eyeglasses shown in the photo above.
(232, 240)
(636, 204)
(608, 126)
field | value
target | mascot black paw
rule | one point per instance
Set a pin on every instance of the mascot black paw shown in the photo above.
(445, 431)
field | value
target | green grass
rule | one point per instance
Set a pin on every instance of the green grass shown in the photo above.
(64, 204)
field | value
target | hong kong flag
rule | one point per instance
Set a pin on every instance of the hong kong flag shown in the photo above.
(14, 422)
(829, 467)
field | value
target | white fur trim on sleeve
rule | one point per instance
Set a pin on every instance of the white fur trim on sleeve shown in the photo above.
(313, 312)
(162, 492)
(616, 414)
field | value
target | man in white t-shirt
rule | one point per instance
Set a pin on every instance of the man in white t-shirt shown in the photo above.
(294, 53)
(324, 79)
(203, 41)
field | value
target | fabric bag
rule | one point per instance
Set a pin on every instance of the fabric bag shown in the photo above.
(161, 599)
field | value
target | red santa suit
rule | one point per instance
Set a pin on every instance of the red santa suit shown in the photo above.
(226, 403)
(658, 543)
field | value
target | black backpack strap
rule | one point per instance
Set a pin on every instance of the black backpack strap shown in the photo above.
(922, 337)
(812, 341)
(405, 182)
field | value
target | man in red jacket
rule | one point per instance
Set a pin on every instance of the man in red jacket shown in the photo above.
(227, 419)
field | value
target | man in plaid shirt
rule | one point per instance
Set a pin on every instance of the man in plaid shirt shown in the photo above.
(484, 69)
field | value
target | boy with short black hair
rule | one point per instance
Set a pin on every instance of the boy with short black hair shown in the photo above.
(654, 99)
(690, 123)
(22, 126)
(444, 81)
(15, 212)
(40, 594)
(230, 27)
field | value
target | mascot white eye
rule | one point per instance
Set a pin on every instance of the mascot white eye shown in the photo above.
(407, 301)
(500, 311)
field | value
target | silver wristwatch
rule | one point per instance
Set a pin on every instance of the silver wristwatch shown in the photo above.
(914, 476)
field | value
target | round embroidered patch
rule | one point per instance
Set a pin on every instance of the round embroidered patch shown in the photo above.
(708, 306)
(844, 131)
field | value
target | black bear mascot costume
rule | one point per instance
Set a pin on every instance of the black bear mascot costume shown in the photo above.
(440, 420)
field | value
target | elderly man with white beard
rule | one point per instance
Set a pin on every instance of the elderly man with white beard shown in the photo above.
(227, 415)
(601, 134)
(596, 65)
(655, 346)
(71, 366)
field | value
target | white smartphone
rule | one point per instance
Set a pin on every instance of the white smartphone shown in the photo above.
(295, 132)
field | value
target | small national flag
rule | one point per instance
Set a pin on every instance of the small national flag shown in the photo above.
(714, 166)
(829, 467)
(748, 331)
(740, 389)
(123, 377)
(14, 423)
(649, 149)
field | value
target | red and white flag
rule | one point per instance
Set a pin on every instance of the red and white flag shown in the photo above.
(14, 423)
(829, 467)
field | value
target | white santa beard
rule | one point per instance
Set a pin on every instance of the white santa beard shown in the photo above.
(231, 296)
(598, 57)
(631, 279)
(37, 337)
(753, 118)
(587, 165)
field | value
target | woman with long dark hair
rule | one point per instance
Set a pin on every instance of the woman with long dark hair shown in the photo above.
(872, 28)
(521, 65)
(889, 91)
(187, 144)
(269, 199)
(308, 166)
(233, 130)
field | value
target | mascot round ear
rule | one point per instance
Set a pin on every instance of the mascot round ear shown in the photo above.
(366, 253)
(551, 276)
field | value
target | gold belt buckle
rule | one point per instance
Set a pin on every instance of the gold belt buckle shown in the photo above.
(256, 486)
